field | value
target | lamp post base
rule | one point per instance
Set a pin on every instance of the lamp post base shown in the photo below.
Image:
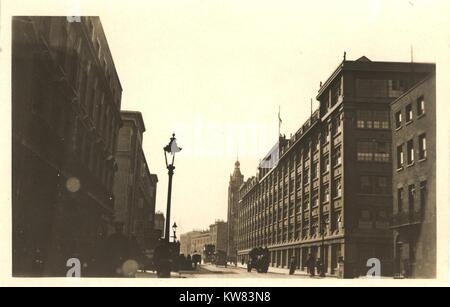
(163, 259)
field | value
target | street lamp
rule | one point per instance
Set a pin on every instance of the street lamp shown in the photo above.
(322, 247)
(171, 148)
(174, 229)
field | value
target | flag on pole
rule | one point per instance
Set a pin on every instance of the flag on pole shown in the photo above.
(279, 120)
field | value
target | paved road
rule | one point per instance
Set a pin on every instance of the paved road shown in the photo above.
(211, 271)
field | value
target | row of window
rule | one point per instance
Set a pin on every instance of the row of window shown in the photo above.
(95, 40)
(379, 215)
(377, 151)
(269, 233)
(94, 101)
(93, 157)
(337, 191)
(53, 109)
(410, 156)
(304, 153)
(409, 114)
(249, 213)
(72, 52)
(375, 185)
(331, 99)
(373, 88)
(370, 219)
(411, 198)
(313, 173)
(282, 234)
(372, 119)
(85, 78)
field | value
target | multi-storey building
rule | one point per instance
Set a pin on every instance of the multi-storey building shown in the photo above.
(236, 180)
(413, 118)
(219, 235)
(186, 242)
(66, 99)
(330, 195)
(158, 228)
(199, 240)
(195, 241)
(134, 186)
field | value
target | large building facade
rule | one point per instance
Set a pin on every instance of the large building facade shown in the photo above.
(195, 241)
(159, 225)
(135, 186)
(413, 119)
(186, 242)
(236, 180)
(199, 241)
(66, 99)
(330, 192)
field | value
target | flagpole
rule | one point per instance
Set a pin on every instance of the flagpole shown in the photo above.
(279, 121)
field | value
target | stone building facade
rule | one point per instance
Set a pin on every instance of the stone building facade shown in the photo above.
(66, 99)
(236, 180)
(195, 241)
(134, 186)
(219, 235)
(159, 224)
(199, 240)
(413, 118)
(330, 192)
(186, 242)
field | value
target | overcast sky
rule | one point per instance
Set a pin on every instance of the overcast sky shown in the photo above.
(216, 72)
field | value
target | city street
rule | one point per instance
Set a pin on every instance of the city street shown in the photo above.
(255, 152)
(212, 271)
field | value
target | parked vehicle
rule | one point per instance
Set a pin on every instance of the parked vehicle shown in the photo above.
(196, 260)
(259, 259)
(208, 253)
(220, 258)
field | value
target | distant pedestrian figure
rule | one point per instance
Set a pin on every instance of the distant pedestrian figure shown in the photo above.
(292, 265)
(319, 266)
(311, 265)
(196, 259)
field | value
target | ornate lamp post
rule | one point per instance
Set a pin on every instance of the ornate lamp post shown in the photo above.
(165, 253)
(171, 149)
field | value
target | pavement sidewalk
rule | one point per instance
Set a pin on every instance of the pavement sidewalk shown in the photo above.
(284, 271)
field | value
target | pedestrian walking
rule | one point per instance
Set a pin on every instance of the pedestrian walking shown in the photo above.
(311, 265)
(292, 265)
(319, 266)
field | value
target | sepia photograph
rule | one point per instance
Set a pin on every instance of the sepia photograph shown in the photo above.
(187, 143)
